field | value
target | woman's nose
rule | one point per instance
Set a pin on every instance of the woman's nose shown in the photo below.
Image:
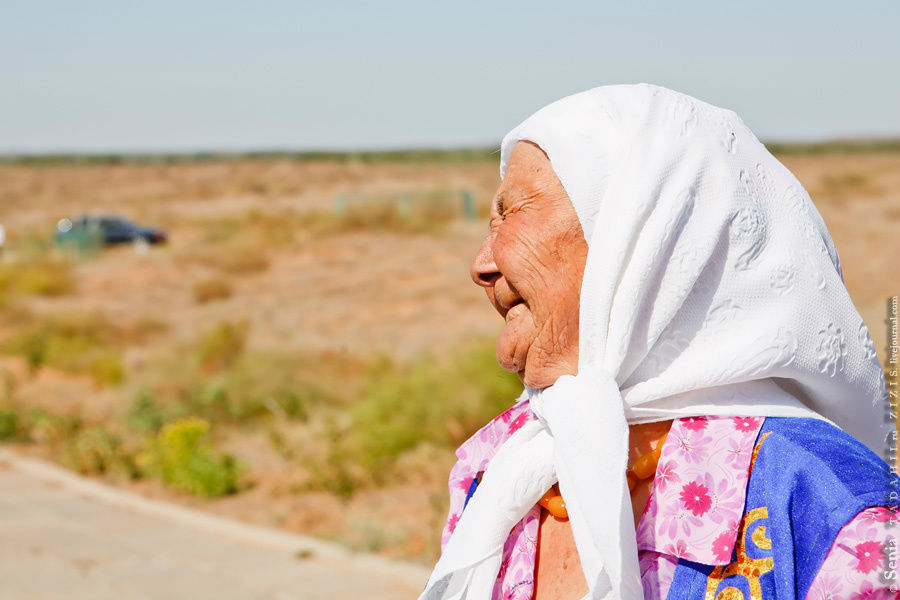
(484, 271)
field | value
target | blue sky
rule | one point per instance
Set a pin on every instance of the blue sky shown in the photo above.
(182, 76)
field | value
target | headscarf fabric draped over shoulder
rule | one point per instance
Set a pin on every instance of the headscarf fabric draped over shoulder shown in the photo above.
(712, 287)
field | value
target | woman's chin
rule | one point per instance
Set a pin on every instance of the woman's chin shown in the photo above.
(515, 339)
(535, 379)
(511, 354)
(511, 363)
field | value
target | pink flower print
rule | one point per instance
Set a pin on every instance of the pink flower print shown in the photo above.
(726, 498)
(527, 543)
(870, 555)
(679, 549)
(868, 592)
(723, 545)
(488, 436)
(880, 514)
(695, 423)
(465, 483)
(646, 526)
(732, 529)
(665, 475)
(857, 531)
(695, 498)
(738, 451)
(451, 523)
(652, 507)
(674, 517)
(746, 424)
(518, 422)
(648, 564)
(826, 587)
(694, 448)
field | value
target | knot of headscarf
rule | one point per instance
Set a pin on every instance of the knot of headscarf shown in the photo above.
(580, 426)
(711, 287)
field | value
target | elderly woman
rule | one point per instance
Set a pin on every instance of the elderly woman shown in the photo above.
(703, 410)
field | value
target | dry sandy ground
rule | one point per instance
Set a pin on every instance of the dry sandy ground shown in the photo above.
(369, 290)
(360, 292)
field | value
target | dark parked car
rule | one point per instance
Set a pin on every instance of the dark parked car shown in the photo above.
(106, 230)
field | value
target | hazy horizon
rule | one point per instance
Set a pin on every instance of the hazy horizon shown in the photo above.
(103, 78)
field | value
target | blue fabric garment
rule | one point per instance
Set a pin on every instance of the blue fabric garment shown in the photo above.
(808, 480)
(471, 491)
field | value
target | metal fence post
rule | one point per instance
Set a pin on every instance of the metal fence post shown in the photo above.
(469, 206)
(404, 205)
(340, 205)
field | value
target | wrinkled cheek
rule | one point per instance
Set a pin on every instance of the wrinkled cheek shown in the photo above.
(509, 248)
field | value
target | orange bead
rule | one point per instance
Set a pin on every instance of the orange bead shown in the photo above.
(632, 480)
(657, 451)
(645, 466)
(557, 507)
(545, 499)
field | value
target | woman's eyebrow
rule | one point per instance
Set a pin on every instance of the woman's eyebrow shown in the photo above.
(500, 203)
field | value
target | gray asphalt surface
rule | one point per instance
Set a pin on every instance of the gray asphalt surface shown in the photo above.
(59, 544)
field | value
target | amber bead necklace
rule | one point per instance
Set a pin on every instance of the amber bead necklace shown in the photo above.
(643, 468)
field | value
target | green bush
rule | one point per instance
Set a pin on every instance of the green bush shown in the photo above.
(439, 402)
(10, 425)
(50, 430)
(75, 342)
(146, 415)
(87, 449)
(181, 456)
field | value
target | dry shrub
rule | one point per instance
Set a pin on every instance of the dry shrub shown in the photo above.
(89, 448)
(141, 330)
(213, 288)
(846, 183)
(236, 259)
(94, 451)
(42, 277)
(86, 343)
(381, 215)
(249, 386)
(222, 345)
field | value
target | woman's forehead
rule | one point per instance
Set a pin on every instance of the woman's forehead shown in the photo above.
(527, 174)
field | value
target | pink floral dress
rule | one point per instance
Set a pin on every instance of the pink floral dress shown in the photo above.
(693, 512)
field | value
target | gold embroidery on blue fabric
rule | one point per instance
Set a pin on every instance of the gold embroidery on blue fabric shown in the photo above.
(730, 593)
(759, 538)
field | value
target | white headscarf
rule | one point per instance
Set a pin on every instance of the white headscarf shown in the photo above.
(712, 287)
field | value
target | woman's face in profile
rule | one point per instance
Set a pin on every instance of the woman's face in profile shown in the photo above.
(531, 265)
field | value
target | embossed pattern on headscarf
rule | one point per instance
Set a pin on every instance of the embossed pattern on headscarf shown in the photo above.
(712, 287)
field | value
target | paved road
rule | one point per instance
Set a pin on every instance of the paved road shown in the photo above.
(59, 543)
